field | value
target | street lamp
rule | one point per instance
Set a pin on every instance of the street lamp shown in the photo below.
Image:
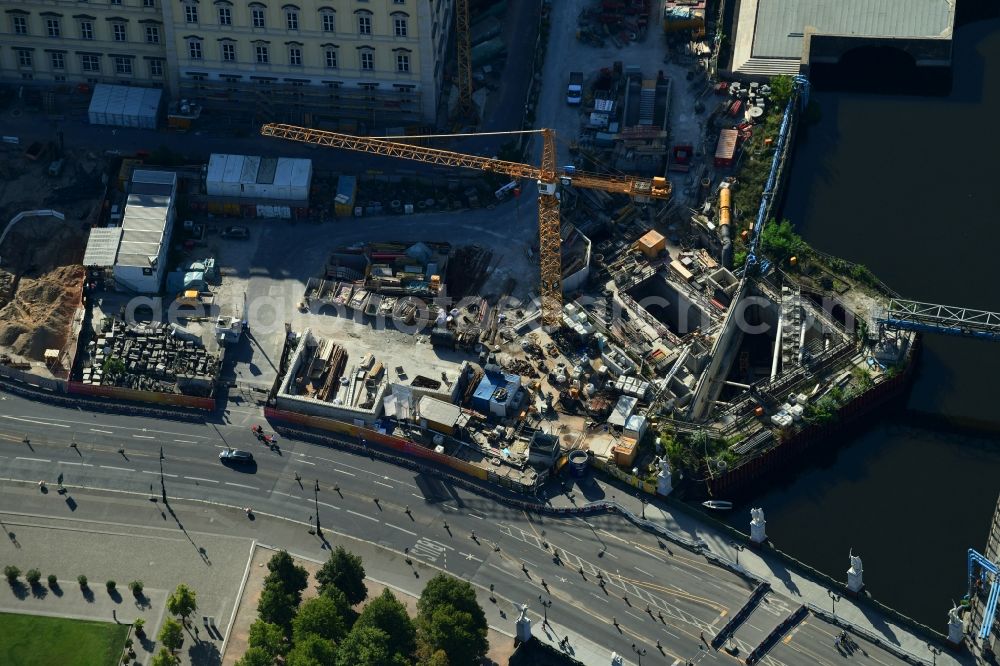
(834, 597)
(935, 651)
(316, 496)
(640, 652)
(163, 486)
(739, 549)
(545, 609)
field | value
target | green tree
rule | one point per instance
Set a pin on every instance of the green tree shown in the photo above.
(311, 650)
(320, 616)
(164, 658)
(436, 658)
(53, 581)
(255, 656)
(182, 601)
(277, 606)
(82, 580)
(456, 632)
(781, 90)
(780, 242)
(451, 619)
(345, 572)
(293, 578)
(33, 576)
(387, 613)
(268, 637)
(172, 634)
(366, 646)
(11, 572)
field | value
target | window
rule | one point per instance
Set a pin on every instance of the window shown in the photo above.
(59, 77)
(58, 60)
(367, 60)
(229, 52)
(148, 4)
(399, 26)
(292, 19)
(194, 49)
(24, 58)
(52, 27)
(118, 29)
(402, 62)
(123, 65)
(86, 30)
(20, 24)
(263, 56)
(190, 13)
(116, 2)
(225, 16)
(295, 56)
(90, 63)
(257, 14)
(399, 2)
(156, 68)
(152, 34)
(331, 58)
(329, 21)
(364, 24)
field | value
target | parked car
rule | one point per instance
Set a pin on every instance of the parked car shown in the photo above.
(235, 456)
(239, 233)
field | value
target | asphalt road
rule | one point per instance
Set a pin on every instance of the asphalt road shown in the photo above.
(524, 556)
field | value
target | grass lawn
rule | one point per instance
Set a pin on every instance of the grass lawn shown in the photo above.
(34, 640)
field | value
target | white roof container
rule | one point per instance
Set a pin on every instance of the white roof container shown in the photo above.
(254, 177)
(214, 173)
(232, 175)
(125, 106)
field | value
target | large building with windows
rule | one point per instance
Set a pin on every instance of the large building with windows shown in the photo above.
(317, 62)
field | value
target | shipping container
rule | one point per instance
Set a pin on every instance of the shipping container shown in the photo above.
(125, 106)
(253, 177)
(726, 148)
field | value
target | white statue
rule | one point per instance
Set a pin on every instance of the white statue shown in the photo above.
(758, 526)
(955, 615)
(856, 566)
(524, 613)
(756, 516)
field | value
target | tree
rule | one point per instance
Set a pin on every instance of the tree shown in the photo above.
(11, 572)
(136, 587)
(268, 637)
(781, 90)
(293, 578)
(277, 606)
(53, 581)
(82, 580)
(33, 576)
(387, 613)
(172, 634)
(343, 571)
(780, 242)
(111, 586)
(437, 658)
(450, 619)
(255, 656)
(320, 616)
(182, 602)
(311, 650)
(138, 625)
(164, 658)
(366, 646)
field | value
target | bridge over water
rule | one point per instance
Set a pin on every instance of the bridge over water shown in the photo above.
(933, 318)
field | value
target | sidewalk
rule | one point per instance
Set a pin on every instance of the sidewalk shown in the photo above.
(768, 567)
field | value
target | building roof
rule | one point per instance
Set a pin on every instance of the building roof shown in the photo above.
(439, 411)
(102, 247)
(623, 409)
(780, 24)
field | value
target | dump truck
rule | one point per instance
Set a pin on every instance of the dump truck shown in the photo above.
(574, 91)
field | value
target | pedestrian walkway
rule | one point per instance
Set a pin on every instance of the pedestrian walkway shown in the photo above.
(767, 567)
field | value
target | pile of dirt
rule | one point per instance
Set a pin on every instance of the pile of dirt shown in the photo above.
(40, 315)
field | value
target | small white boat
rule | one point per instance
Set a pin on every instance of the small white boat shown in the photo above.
(718, 505)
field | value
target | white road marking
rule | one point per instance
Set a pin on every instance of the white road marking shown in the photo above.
(503, 571)
(120, 469)
(329, 506)
(185, 441)
(196, 478)
(472, 515)
(339, 471)
(613, 536)
(106, 425)
(384, 484)
(54, 425)
(397, 527)
(634, 615)
(306, 462)
(153, 471)
(143, 436)
(598, 597)
(469, 556)
(361, 515)
(80, 464)
(241, 485)
(32, 459)
(571, 536)
(106, 432)
(645, 572)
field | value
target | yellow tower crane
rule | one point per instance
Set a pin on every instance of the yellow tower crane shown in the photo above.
(463, 48)
(548, 178)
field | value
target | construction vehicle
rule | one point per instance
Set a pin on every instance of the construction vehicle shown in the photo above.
(548, 178)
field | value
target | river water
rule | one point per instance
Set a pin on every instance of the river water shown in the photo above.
(907, 185)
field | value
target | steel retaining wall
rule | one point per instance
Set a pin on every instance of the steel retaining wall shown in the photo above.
(132, 395)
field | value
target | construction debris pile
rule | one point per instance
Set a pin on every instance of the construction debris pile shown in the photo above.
(620, 21)
(149, 357)
(324, 375)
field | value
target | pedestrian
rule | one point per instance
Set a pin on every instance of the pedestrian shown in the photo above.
(702, 636)
(297, 477)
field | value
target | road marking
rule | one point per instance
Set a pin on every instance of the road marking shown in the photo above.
(32, 459)
(241, 485)
(196, 478)
(571, 536)
(143, 436)
(306, 462)
(153, 471)
(472, 515)
(601, 598)
(530, 564)
(469, 556)
(120, 469)
(634, 615)
(185, 441)
(645, 572)
(361, 515)
(384, 484)
(430, 550)
(611, 555)
(66, 462)
(503, 571)
(397, 527)
(54, 425)
(339, 471)
(613, 536)
(106, 432)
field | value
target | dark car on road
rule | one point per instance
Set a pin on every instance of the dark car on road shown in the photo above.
(236, 457)
(239, 233)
